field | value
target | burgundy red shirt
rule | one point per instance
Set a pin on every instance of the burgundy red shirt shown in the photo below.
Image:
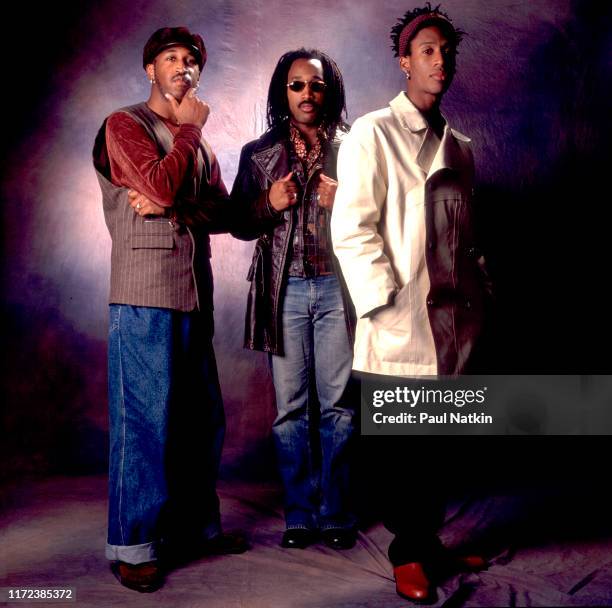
(136, 163)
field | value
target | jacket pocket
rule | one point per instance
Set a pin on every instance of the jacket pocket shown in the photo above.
(256, 272)
(153, 234)
(152, 241)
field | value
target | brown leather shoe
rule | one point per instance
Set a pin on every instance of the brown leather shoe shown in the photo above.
(225, 544)
(145, 578)
(412, 583)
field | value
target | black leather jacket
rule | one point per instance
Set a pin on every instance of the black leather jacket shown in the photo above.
(262, 162)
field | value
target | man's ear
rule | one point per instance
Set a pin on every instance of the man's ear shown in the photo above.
(404, 63)
(150, 70)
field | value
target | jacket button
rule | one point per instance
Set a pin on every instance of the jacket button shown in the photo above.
(430, 302)
(468, 304)
(471, 252)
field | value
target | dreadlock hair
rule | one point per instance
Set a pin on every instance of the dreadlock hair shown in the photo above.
(454, 36)
(334, 103)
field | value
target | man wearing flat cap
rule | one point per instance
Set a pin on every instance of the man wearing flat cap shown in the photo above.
(403, 232)
(162, 196)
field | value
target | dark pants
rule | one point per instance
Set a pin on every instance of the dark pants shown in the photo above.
(412, 504)
(402, 482)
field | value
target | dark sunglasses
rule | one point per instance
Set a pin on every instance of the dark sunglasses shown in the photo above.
(316, 86)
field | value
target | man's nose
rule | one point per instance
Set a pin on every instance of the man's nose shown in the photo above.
(307, 91)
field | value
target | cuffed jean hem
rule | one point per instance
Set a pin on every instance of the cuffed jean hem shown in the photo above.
(298, 527)
(344, 525)
(300, 519)
(131, 554)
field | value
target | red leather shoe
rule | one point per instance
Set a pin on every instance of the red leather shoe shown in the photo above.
(412, 583)
(472, 563)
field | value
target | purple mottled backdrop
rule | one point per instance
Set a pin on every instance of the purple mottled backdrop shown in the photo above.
(532, 90)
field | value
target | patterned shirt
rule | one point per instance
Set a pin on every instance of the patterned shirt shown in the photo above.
(310, 255)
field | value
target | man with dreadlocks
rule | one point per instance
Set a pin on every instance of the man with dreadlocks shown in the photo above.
(297, 309)
(402, 230)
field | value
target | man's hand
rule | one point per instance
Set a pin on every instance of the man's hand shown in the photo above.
(191, 110)
(143, 205)
(283, 193)
(326, 191)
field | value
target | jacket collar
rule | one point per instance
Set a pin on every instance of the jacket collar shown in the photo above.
(432, 156)
(272, 160)
(407, 114)
(272, 156)
(451, 154)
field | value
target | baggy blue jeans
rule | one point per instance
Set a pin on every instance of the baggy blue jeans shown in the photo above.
(166, 430)
(317, 350)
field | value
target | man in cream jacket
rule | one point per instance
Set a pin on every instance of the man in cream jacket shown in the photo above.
(402, 231)
(402, 223)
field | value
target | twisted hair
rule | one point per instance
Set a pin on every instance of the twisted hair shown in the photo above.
(334, 103)
(454, 35)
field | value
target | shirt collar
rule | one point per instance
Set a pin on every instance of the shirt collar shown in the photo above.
(309, 157)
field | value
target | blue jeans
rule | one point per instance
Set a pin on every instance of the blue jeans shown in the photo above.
(318, 358)
(166, 430)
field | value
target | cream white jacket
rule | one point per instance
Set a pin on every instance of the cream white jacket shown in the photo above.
(391, 164)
